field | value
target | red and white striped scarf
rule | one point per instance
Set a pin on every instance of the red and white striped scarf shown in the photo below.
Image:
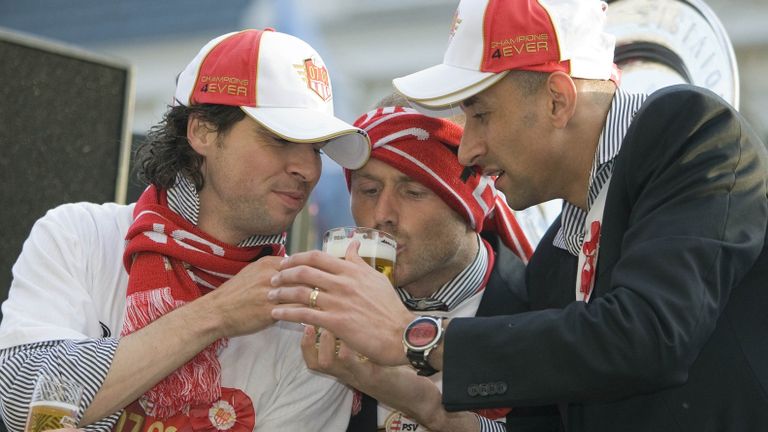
(171, 262)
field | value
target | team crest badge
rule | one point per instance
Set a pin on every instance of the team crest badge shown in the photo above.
(222, 415)
(397, 422)
(317, 79)
(232, 413)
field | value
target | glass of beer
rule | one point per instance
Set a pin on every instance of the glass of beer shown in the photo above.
(377, 248)
(54, 405)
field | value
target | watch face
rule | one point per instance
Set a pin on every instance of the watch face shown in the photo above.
(421, 333)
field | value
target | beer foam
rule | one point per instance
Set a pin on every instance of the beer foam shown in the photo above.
(368, 248)
(55, 404)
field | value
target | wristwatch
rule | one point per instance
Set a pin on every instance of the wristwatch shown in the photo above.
(421, 336)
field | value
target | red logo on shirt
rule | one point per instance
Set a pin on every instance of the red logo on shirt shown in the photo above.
(589, 248)
(233, 412)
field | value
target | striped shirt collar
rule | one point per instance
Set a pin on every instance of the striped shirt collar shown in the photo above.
(620, 116)
(461, 287)
(183, 199)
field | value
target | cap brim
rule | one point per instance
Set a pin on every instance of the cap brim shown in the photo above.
(443, 86)
(347, 145)
(440, 112)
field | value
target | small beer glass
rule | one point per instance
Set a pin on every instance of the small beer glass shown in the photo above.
(377, 248)
(54, 405)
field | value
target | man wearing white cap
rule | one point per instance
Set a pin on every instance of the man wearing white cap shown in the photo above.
(648, 294)
(158, 309)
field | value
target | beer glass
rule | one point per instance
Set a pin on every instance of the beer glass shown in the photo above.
(377, 248)
(55, 402)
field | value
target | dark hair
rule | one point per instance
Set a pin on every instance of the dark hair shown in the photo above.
(166, 151)
(529, 82)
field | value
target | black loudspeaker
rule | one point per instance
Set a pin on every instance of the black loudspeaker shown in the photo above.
(65, 134)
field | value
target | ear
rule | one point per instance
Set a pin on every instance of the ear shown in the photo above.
(201, 135)
(562, 98)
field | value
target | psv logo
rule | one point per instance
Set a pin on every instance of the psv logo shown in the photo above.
(317, 79)
(397, 422)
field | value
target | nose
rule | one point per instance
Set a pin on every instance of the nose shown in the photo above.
(472, 148)
(305, 163)
(386, 211)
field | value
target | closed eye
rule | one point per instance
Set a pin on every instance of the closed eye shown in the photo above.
(415, 194)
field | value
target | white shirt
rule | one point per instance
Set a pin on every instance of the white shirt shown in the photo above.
(70, 284)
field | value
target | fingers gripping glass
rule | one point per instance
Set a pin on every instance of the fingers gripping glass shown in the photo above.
(377, 248)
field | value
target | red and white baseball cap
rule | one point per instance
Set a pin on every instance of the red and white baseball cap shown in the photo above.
(490, 37)
(279, 81)
(424, 148)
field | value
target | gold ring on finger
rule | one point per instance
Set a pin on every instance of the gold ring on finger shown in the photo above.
(313, 298)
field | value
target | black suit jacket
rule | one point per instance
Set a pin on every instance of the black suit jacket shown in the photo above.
(675, 337)
(504, 294)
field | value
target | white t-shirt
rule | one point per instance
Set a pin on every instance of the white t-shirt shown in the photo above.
(70, 284)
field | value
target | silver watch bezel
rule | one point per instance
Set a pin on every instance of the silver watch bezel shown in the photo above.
(437, 321)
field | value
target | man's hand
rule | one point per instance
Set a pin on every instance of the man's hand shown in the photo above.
(241, 302)
(355, 302)
(324, 353)
(398, 386)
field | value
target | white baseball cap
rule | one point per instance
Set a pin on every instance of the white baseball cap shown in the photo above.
(490, 37)
(279, 81)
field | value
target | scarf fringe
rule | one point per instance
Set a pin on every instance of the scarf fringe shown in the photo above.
(143, 307)
(194, 383)
(172, 262)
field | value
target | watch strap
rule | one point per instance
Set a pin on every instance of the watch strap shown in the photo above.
(420, 362)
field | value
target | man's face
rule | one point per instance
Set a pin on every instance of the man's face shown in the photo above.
(505, 134)
(429, 234)
(255, 182)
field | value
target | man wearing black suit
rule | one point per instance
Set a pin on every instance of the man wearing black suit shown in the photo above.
(648, 296)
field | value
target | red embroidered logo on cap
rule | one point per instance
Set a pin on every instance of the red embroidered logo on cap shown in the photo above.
(317, 79)
(518, 35)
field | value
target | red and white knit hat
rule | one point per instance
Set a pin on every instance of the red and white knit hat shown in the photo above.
(425, 149)
(279, 81)
(490, 37)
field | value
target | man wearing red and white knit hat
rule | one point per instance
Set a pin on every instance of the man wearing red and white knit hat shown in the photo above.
(460, 254)
(647, 295)
(158, 309)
